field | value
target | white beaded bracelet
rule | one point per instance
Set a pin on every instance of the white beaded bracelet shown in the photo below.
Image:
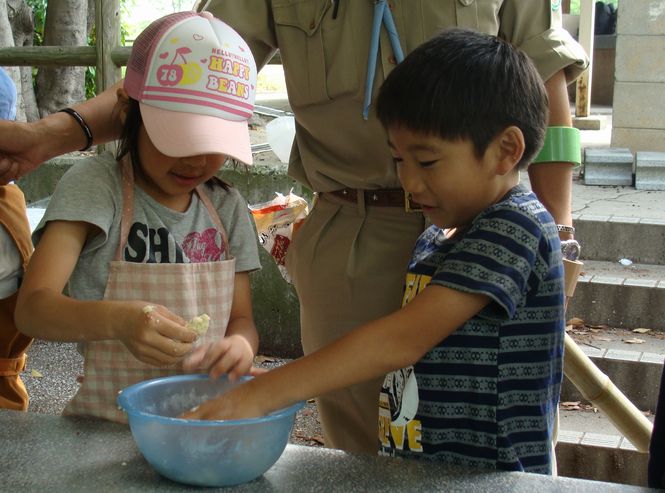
(565, 229)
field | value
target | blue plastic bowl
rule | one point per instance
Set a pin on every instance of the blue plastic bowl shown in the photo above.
(204, 453)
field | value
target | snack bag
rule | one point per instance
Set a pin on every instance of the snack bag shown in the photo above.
(276, 223)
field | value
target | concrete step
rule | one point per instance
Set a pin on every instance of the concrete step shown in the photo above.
(624, 296)
(590, 447)
(634, 367)
(612, 238)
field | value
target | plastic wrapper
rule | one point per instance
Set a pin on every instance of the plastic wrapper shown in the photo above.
(276, 224)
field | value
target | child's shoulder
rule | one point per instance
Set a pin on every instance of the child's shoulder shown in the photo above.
(520, 204)
(90, 172)
(11, 194)
(100, 164)
(224, 196)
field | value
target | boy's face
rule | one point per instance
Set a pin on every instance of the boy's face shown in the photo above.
(446, 178)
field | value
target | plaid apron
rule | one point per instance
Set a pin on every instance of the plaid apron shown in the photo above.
(187, 289)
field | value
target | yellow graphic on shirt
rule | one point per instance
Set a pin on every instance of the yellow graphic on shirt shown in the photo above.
(415, 283)
(404, 437)
(398, 400)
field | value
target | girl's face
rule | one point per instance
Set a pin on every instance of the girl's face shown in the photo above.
(171, 180)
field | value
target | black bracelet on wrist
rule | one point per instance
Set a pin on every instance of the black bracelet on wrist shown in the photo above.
(84, 126)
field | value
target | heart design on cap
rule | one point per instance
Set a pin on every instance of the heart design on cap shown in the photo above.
(163, 55)
(197, 37)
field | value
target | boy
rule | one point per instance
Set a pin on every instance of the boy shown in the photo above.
(477, 346)
(15, 249)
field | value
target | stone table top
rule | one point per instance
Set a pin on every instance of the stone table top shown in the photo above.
(41, 452)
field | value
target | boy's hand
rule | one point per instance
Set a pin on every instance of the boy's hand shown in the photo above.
(154, 335)
(238, 403)
(232, 355)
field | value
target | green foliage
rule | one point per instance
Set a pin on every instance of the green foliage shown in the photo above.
(39, 16)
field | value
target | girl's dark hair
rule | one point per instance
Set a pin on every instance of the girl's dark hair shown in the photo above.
(129, 142)
(462, 84)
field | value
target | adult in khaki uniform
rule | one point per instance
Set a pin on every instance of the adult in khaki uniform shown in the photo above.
(348, 261)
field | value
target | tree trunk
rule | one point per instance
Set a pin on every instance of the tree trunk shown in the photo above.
(16, 29)
(66, 25)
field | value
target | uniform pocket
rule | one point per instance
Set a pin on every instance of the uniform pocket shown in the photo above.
(319, 53)
(481, 15)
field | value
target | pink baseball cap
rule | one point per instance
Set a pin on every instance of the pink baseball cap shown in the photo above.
(195, 80)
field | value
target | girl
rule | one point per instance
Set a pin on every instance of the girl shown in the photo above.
(152, 236)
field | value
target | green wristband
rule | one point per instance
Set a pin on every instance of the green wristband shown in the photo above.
(562, 145)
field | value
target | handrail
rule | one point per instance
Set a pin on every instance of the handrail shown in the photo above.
(597, 387)
(74, 56)
(81, 56)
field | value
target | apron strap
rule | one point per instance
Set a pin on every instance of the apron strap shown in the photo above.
(203, 196)
(127, 174)
(128, 209)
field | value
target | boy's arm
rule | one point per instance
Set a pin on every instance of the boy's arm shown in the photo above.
(395, 341)
(553, 182)
(24, 146)
(42, 310)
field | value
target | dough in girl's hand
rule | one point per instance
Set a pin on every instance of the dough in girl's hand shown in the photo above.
(199, 324)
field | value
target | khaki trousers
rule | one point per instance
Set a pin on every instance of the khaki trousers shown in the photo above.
(348, 265)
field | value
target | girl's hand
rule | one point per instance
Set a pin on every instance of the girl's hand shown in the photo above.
(154, 335)
(232, 355)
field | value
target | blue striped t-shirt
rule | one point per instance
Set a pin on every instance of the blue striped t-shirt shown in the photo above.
(486, 396)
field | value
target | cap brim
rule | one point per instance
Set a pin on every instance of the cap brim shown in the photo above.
(179, 134)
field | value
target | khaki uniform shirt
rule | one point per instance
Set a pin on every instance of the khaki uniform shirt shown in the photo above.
(325, 65)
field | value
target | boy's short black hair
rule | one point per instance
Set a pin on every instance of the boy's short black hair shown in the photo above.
(463, 84)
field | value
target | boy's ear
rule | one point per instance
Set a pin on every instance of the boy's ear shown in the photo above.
(510, 148)
(122, 105)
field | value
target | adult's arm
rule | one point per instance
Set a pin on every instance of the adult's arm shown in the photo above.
(553, 182)
(24, 146)
(536, 27)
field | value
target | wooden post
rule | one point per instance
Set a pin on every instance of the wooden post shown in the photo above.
(107, 23)
(565, 6)
(583, 92)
